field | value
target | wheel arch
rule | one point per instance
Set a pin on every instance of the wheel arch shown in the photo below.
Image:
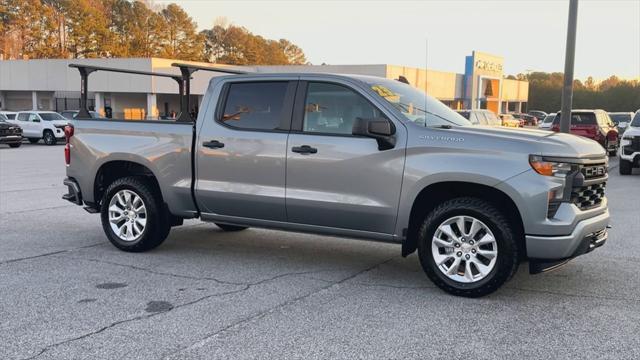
(434, 194)
(112, 170)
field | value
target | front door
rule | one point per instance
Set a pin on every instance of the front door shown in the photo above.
(335, 179)
(241, 150)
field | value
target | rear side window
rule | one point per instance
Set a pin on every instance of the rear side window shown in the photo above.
(579, 119)
(258, 106)
(23, 116)
(584, 119)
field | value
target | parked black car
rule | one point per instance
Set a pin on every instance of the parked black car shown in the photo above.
(9, 133)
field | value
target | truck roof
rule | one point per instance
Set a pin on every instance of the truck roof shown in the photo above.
(361, 78)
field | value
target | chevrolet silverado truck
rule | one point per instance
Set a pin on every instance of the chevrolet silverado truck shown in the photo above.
(347, 156)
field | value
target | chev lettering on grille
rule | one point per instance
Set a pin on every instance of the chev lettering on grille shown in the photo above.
(594, 171)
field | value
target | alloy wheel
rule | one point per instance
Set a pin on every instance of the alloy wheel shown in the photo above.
(464, 249)
(127, 215)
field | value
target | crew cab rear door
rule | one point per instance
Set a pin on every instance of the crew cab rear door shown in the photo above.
(241, 150)
(336, 179)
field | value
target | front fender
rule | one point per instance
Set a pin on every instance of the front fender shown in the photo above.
(429, 166)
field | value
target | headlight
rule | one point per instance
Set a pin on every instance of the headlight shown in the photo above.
(549, 168)
(626, 141)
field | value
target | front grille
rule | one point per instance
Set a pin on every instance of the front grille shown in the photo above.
(11, 131)
(588, 197)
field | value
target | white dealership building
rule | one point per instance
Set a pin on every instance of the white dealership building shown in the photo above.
(49, 84)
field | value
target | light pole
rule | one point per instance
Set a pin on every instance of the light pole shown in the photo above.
(567, 89)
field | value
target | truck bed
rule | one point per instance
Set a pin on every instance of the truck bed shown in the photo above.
(164, 147)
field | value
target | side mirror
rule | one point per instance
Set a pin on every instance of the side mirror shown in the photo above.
(380, 129)
(36, 120)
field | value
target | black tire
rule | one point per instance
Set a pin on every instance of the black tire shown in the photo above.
(625, 167)
(34, 140)
(507, 261)
(229, 228)
(157, 225)
(16, 145)
(49, 138)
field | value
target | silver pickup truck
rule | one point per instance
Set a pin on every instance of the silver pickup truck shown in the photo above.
(351, 156)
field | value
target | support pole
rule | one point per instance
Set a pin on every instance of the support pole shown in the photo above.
(83, 112)
(567, 89)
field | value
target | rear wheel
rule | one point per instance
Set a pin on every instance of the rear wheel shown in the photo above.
(467, 247)
(15, 145)
(132, 215)
(625, 167)
(49, 138)
(226, 227)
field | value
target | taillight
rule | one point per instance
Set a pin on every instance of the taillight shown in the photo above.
(68, 133)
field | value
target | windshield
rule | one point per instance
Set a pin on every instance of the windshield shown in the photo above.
(51, 116)
(549, 118)
(636, 120)
(415, 105)
(618, 118)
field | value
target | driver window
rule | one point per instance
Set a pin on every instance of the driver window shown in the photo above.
(33, 117)
(332, 109)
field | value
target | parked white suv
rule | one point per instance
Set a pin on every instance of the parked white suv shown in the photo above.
(630, 146)
(36, 125)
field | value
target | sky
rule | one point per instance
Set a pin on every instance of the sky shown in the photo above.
(530, 35)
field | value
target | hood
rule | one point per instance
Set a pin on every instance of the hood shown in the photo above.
(530, 141)
(632, 131)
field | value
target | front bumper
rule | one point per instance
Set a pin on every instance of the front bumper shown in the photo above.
(10, 139)
(629, 154)
(586, 236)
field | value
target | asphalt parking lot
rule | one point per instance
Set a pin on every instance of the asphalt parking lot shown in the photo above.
(66, 293)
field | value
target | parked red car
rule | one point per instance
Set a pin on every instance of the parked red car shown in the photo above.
(595, 125)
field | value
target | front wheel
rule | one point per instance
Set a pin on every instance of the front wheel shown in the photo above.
(467, 247)
(49, 138)
(132, 215)
(625, 167)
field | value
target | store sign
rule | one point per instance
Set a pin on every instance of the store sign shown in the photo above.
(486, 64)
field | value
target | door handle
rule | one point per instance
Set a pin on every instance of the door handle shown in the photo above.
(304, 149)
(213, 144)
